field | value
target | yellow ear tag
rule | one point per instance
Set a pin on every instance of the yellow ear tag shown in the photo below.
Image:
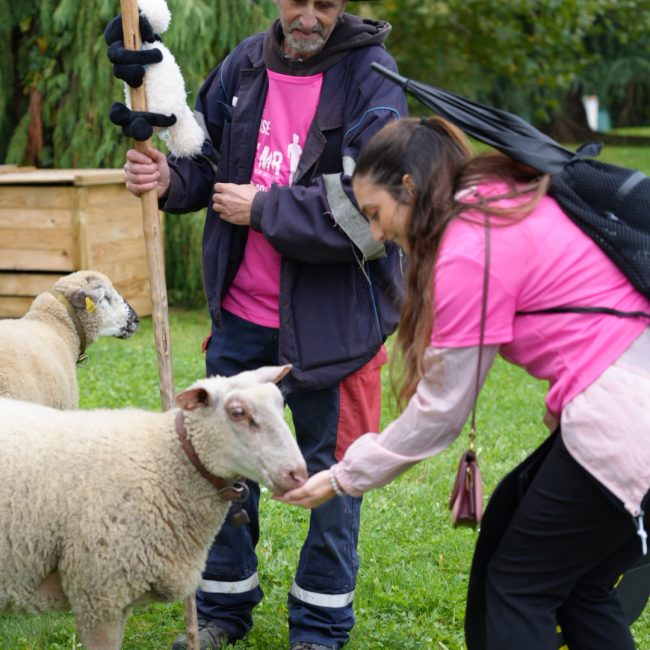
(90, 305)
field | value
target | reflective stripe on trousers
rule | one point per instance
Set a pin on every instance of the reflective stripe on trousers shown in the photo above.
(319, 599)
(230, 587)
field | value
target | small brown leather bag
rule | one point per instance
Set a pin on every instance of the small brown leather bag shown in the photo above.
(466, 500)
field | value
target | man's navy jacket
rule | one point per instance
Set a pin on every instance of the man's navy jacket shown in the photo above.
(339, 300)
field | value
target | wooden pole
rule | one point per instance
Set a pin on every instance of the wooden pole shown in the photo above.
(156, 264)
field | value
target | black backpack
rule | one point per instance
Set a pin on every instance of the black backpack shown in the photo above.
(609, 203)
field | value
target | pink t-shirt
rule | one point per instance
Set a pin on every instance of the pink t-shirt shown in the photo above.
(542, 261)
(289, 110)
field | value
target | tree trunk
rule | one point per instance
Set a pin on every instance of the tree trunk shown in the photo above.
(570, 125)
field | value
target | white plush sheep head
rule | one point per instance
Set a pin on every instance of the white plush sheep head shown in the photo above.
(157, 13)
(102, 310)
(237, 427)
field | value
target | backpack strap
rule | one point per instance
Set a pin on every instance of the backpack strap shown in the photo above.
(586, 310)
(627, 186)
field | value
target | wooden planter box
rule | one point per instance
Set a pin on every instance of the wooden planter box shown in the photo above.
(55, 221)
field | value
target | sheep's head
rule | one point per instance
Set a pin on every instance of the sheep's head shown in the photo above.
(102, 310)
(237, 427)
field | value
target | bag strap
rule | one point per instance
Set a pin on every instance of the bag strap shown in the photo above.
(484, 301)
(586, 310)
(627, 186)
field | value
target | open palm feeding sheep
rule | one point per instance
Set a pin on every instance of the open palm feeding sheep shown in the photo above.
(39, 352)
(104, 509)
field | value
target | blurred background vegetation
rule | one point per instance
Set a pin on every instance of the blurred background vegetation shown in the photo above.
(534, 57)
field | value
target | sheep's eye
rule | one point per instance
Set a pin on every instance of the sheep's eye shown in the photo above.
(237, 413)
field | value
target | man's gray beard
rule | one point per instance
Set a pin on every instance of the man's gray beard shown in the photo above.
(304, 46)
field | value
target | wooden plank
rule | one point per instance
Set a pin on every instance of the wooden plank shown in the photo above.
(129, 287)
(85, 177)
(101, 254)
(39, 177)
(26, 284)
(112, 230)
(34, 238)
(112, 211)
(37, 260)
(141, 304)
(79, 177)
(134, 269)
(21, 218)
(6, 168)
(37, 198)
(104, 196)
(11, 307)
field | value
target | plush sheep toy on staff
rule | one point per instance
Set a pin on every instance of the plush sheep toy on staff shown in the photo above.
(159, 102)
(167, 114)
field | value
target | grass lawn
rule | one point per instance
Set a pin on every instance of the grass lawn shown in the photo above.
(413, 564)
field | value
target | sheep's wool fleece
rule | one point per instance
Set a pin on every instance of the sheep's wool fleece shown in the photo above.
(74, 523)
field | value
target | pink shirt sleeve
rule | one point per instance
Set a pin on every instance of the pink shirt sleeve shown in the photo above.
(458, 297)
(431, 421)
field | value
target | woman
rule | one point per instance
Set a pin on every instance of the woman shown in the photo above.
(580, 523)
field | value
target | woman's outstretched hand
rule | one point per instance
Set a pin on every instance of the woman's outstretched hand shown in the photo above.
(316, 491)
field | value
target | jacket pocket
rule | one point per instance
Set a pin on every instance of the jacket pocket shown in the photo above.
(333, 315)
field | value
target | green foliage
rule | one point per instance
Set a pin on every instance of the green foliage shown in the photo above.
(183, 244)
(58, 51)
(6, 71)
(519, 55)
(620, 73)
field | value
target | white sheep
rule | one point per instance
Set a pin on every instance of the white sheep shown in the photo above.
(101, 510)
(39, 352)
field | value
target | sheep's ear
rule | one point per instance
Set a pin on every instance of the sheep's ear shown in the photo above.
(193, 398)
(271, 373)
(84, 298)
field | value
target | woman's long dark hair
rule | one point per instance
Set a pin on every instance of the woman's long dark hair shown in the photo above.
(438, 158)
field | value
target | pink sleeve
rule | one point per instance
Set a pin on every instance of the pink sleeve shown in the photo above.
(431, 421)
(458, 297)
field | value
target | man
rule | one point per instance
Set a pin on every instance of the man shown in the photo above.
(292, 275)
